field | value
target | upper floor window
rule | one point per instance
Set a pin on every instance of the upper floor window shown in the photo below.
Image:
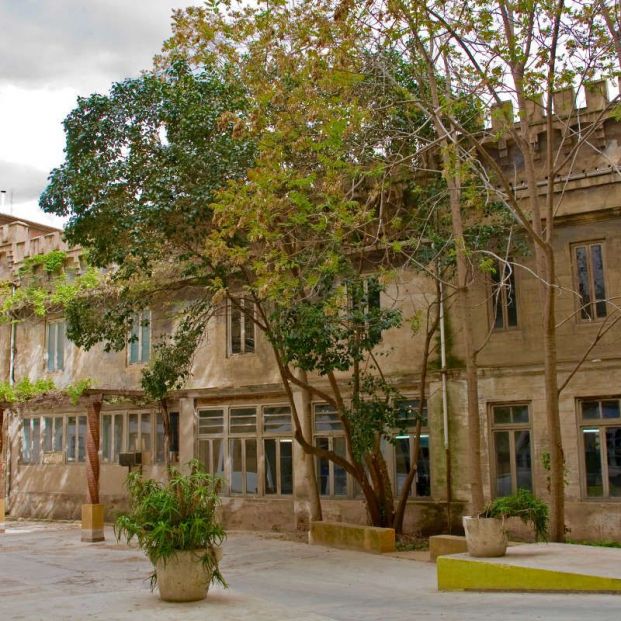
(512, 467)
(139, 344)
(364, 296)
(590, 281)
(55, 345)
(241, 326)
(504, 301)
(600, 426)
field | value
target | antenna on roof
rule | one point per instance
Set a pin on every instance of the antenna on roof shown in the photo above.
(2, 199)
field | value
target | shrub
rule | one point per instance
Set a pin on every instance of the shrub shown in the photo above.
(524, 505)
(181, 514)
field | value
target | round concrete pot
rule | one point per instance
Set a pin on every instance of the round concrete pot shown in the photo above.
(485, 537)
(184, 577)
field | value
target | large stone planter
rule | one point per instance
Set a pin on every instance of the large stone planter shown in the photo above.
(485, 537)
(183, 577)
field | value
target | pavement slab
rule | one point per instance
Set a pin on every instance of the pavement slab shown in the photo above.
(46, 572)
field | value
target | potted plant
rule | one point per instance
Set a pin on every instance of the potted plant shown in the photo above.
(485, 533)
(176, 525)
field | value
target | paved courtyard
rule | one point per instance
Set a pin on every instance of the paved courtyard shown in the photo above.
(47, 573)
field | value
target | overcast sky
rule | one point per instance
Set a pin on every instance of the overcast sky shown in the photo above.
(51, 51)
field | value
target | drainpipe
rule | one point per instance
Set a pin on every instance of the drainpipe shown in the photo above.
(445, 420)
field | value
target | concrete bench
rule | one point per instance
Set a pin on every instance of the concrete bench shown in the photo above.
(352, 537)
(440, 545)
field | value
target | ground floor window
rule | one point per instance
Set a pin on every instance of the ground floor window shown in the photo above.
(137, 432)
(53, 434)
(600, 427)
(404, 447)
(511, 439)
(250, 447)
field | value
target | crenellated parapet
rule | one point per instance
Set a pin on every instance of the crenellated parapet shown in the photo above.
(18, 243)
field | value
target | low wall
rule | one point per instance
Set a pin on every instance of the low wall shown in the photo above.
(352, 537)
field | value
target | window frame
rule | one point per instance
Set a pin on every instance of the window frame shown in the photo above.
(410, 432)
(330, 435)
(56, 365)
(602, 424)
(499, 298)
(591, 307)
(231, 307)
(510, 427)
(138, 325)
(258, 434)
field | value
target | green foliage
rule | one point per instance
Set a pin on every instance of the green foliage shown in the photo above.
(51, 262)
(49, 289)
(181, 514)
(24, 390)
(171, 362)
(143, 163)
(524, 505)
(76, 390)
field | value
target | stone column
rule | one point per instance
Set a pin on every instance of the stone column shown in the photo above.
(92, 511)
(306, 502)
(186, 430)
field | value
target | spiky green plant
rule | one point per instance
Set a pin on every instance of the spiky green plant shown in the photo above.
(523, 505)
(180, 514)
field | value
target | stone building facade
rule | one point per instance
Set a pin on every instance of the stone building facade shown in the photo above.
(233, 413)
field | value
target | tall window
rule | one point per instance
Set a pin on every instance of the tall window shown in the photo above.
(404, 450)
(511, 448)
(332, 478)
(53, 439)
(211, 440)
(139, 344)
(504, 301)
(243, 450)
(56, 346)
(589, 267)
(112, 435)
(600, 426)
(241, 326)
(75, 439)
(31, 440)
(277, 450)
(365, 297)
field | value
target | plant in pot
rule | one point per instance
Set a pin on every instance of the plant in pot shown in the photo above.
(176, 524)
(485, 533)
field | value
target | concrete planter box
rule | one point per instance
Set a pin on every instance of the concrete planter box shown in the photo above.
(485, 537)
(183, 577)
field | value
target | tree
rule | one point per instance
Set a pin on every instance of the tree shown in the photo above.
(531, 54)
(252, 165)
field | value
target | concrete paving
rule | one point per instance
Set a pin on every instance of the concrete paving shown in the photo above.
(47, 573)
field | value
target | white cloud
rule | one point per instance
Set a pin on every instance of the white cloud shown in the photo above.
(51, 52)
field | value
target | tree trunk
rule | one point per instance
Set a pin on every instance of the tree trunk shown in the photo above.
(166, 424)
